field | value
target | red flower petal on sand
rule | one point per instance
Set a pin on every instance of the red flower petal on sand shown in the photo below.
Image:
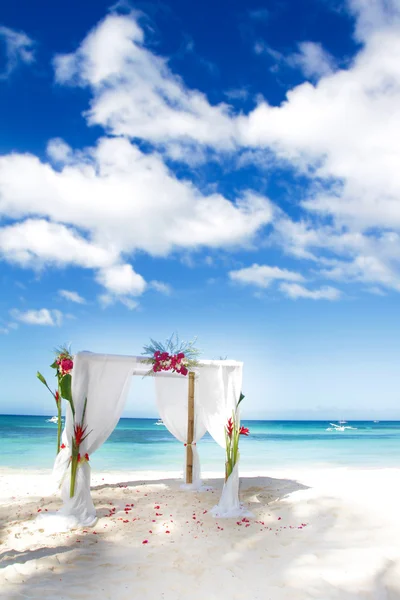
(145, 542)
(167, 531)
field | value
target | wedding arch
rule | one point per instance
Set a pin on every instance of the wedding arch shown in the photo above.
(188, 405)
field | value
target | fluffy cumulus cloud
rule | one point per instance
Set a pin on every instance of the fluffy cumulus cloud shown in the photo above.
(18, 48)
(134, 91)
(43, 316)
(340, 132)
(99, 205)
(312, 59)
(106, 202)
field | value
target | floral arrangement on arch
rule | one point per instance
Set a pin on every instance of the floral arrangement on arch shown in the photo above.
(233, 431)
(63, 365)
(173, 355)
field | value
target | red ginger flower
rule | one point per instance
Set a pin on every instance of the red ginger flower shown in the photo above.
(244, 431)
(79, 432)
(229, 427)
(62, 446)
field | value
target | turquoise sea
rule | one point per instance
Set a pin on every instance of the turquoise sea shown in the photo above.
(139, 444)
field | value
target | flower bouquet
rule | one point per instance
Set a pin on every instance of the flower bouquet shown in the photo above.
(233, 431)
(63, 364)
(173, 355)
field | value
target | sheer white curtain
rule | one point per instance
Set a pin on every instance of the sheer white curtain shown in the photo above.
(105, 381)
(218, 391)
(172, 404)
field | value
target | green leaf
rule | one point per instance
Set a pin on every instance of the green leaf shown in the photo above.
(54, 365)
(65, 387)
(240, 399)
(41, 378)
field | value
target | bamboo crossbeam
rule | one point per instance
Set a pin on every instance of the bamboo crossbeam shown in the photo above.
(190, 430)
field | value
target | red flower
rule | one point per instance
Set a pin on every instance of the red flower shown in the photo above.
(66, 365)
(79, 458)
(87, 456)
(79, 432)
(183, 370)
(62, 446)
(57, 396)
(229, 427)
(244, 431)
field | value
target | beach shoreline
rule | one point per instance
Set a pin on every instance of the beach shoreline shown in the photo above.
(323, 534)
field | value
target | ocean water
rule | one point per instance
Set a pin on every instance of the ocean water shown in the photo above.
(139, 444)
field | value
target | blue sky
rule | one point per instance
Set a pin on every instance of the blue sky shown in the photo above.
(224, 170)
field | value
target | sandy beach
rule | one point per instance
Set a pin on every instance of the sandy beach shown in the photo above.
(315, 534)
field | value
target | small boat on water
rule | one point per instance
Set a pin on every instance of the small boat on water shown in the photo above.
(335, 427)
(159, 422)
(52, 420)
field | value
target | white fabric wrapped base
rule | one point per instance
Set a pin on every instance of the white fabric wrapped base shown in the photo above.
(80, 507)
(229, 505)
(78, 511)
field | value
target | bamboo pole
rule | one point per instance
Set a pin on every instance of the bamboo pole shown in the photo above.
(190, 430)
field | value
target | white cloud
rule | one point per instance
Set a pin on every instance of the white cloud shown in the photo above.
(312, 59)
(37, 242)
(43, 316)
(374, 15)
(19, 48)
(112, 200)
(263, 275)
(295, 290)
(367, 269)
(135, 92)
(106, 300)
(122, 280)
(58, 151)
(108, 202)
(160, 286)
(72, 296)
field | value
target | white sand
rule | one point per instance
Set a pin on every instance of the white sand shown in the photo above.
(316, 534)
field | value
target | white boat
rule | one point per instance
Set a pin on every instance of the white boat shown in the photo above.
(159, 422)
(52, 420)
(335, 427)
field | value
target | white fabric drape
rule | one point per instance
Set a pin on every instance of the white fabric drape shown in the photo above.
(105, 381)
(172, 405)
(218, 392)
